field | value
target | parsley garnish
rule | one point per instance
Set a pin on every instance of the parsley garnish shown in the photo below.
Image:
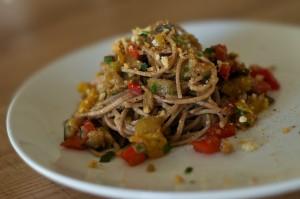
(154, 88)
(107, 157)
(140, 148)
(108, 59)
(188, 170)
(144, 33)
(143, 66)
(208, 51)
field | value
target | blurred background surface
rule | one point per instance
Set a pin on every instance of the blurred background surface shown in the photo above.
(35, 32)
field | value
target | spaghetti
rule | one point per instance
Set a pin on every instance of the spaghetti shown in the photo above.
(160, 88)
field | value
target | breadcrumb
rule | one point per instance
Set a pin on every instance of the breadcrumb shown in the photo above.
(249, 146)
(151, 168)
(226, 147)
(254, 180)
(179, 179)
(243, 119)
(93, 164)
(288, 129)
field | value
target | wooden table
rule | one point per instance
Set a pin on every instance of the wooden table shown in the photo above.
(34, 32)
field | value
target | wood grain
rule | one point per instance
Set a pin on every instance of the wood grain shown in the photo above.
(34, 33)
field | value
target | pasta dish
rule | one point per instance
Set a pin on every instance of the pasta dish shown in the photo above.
(161, 89)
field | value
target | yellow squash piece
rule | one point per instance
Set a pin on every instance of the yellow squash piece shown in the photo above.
(148, 132)
(89, 96)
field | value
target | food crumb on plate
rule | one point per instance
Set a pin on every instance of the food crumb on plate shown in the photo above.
(151, 168)
(93, 164)
(226, 147)
(188, 170)
(179, 179)
(254, 180)
(288, 129)
(249, 145)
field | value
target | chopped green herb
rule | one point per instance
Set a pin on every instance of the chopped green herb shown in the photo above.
(208, 51)
(167, 148)
(139, 148)
(188, 170)
(108, 59)
(144, 33)
(240, 112)
(107, 157)
(144, 66)
(154, 88)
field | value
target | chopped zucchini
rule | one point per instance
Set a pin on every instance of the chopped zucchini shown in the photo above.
(161, 86)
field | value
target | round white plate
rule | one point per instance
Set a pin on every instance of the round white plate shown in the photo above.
(35, 116)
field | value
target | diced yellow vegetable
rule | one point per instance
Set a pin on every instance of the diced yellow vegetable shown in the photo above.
(90, 96)
(246, 117)
(237, 86)
(83, 87)
(258, 103)
(159, 38)
(148, 132)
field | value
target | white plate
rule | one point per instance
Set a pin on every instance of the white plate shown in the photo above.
(34, 125)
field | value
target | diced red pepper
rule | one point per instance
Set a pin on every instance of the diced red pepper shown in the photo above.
(133, 51)
(224, 71)
(87, 127)
(261, 87)
(221, 52)
(227, 131)
(74, 142)
(135, 88)
(208, 145)
(132, 157)
(267, 76)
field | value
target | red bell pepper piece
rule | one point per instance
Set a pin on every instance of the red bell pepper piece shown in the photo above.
(87, 127)
(268, 77)
(224, 71)
(261, 87)
(135, 88)
(74, 142)
(208, 145)
(227, 131)
(221, 52)
(132, 157)
(133, 51)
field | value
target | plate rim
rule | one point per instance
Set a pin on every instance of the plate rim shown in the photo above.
(113, 191)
